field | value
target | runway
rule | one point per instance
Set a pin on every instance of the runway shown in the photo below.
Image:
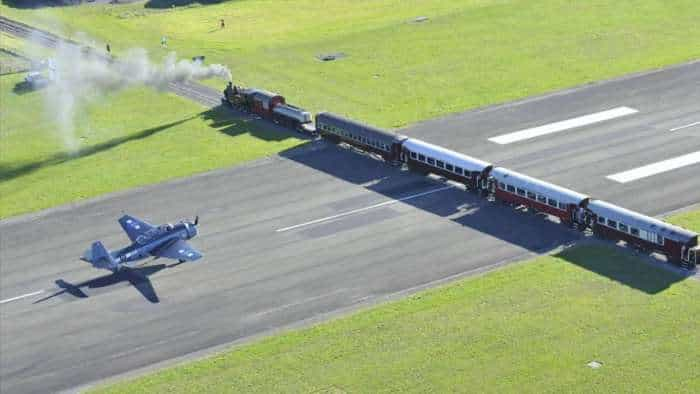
(666, 125)
(319, 229)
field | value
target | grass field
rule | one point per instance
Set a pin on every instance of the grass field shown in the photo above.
(532, 327)
(689, 220)
(16, 54)
(468, 54)
(133, 138)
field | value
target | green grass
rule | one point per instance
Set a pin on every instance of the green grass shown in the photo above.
(132, 138)
(531, 327)
(689, 220)
(9, 63)
(469, 54)
(16, 54)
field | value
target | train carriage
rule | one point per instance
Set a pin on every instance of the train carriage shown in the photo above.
(516, 188)
(365, 137)
(294, 117)
(428, 158)
(613, 222)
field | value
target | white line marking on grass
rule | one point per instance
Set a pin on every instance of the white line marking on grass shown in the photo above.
(656, 168)
(354, 211)
(22, 296)
(563, 125)
(685, 127)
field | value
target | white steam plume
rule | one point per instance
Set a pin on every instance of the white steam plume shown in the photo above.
(81, 77)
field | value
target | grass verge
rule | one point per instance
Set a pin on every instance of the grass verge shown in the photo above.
(530, 327)
(467, 54)
(689, 220)
(129, 139)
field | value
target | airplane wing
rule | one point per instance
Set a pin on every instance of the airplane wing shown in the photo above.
(180, 250)
(134, 227)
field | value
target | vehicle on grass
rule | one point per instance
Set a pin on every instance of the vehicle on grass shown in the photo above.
(147, 241)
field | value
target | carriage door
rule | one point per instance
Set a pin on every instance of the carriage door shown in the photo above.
(690, 255)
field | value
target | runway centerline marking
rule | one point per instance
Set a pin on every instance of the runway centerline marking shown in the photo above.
(656, 168)
(354, 211)
(685, 127)
(22, 296)
(557, 127)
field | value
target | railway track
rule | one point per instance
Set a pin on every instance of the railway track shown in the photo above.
(199, 93)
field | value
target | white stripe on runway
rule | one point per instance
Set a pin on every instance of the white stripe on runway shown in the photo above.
(562, 125)
(656, 168)
(22, 296)
(685, 127)
(340, 215)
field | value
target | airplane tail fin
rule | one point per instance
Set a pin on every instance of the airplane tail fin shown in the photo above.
(100, 257)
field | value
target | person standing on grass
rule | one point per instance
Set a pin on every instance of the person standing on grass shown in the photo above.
(164, 42)
(109, 50)
(222, 23)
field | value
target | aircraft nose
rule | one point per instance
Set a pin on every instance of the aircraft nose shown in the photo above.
(191, 230)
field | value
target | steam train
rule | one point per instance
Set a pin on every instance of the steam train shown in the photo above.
(572, 208)
(270, 106)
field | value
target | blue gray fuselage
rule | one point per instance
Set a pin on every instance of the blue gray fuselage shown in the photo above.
(153, 240)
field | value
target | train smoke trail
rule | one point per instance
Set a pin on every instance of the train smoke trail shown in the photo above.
(81, 77)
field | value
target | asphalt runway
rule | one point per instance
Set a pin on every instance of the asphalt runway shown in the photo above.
(314, 231)
(581, 158)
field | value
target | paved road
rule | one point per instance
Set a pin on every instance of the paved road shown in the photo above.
(255, 278)
(581, 158)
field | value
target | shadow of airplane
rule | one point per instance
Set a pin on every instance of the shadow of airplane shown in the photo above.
(137, 277)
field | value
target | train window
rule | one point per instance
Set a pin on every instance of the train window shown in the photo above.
(531, 195)
(440, 164)
(634, 231)
(659, 239)
(431, 161)
(510, 188)
(643, 234)
(612, 223)
(421, 157)
(542, 199)
(601, 220)
(562, 205)
(622, 227)
(552, 202)
(414, 156)
(458, 170)
(501, 185)
(520, 191)
(449, 167)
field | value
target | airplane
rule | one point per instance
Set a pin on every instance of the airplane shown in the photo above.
(147, 240)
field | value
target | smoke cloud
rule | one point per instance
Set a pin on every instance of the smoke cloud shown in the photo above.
(80, 77)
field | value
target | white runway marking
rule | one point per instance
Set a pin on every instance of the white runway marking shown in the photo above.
(656, 168)
(563, 125)
(22, 296)
(354, 211)
(685, 127)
